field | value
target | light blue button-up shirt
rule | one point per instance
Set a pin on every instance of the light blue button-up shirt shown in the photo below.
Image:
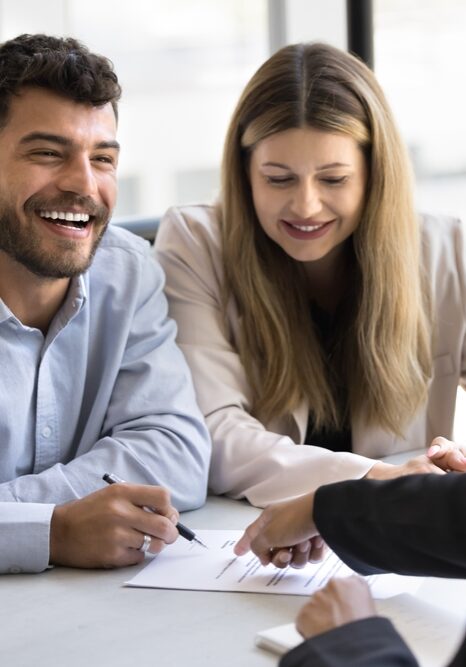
(106, 390)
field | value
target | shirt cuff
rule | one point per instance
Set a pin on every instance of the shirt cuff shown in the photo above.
(25, 537)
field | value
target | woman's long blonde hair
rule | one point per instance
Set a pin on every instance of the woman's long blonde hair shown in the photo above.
(385, 349)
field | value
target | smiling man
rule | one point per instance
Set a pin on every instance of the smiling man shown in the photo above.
(91, 379)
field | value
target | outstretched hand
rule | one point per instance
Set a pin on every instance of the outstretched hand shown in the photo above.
(284, 534)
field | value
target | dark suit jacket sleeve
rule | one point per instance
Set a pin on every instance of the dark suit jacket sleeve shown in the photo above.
(372, 642)
(410, 525)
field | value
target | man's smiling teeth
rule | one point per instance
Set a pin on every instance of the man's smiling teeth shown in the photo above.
(307, 228)
(68, 216)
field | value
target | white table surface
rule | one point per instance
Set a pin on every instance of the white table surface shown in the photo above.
(78, 618)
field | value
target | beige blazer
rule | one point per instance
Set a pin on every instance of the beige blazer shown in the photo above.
(264, 462)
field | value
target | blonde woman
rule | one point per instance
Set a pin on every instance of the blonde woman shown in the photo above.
(323, 319)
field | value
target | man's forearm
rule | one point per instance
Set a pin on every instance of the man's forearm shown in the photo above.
(142, 457)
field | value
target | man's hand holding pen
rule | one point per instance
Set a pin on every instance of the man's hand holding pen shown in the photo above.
(183, 530)
(111, 528)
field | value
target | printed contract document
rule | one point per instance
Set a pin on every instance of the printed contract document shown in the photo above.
(188, 566)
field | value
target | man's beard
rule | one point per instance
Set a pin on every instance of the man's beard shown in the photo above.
(24, 243)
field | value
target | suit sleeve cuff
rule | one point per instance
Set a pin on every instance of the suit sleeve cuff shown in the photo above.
(371, 642)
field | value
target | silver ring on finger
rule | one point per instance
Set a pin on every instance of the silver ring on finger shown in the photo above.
(145, 544)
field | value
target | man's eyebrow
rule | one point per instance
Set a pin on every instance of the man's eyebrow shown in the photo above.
(108, 144)
(45, 136)
(63, 141)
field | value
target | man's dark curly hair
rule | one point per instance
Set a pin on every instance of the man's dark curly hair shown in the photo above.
(62, 65)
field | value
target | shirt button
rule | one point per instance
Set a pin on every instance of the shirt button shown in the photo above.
(46, 432)
(15, 569)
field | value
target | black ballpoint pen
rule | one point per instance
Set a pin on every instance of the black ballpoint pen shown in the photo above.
(184, 531)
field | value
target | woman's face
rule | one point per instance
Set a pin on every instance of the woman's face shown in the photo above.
(308, 188)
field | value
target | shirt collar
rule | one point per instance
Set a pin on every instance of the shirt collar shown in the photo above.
(76, 296)
(75, 299)
(74, 302)
(5, 312)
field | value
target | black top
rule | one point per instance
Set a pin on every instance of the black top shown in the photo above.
(327, 328)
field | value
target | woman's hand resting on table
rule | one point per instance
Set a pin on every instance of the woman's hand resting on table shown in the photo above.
(448, 455)
(442, 456)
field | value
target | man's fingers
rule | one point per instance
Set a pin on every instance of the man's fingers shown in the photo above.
(154, 525)
(145, 495)
(156, 545)
(143, 508)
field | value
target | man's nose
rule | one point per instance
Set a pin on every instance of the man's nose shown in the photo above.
(77, 176)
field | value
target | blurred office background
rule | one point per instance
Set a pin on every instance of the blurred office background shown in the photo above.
(183, 64)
